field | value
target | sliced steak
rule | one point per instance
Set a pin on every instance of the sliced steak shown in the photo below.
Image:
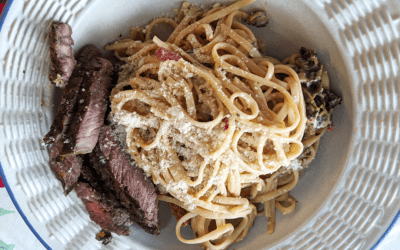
(89, 111)
(64, 111)
(116, 217)
(61, 54)
(135, 191)
(66, 169)
(117, 65)
(70, 94)
(86, 54)
(108, 214)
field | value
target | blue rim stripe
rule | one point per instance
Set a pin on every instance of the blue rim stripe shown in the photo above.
(4, 13)
(10, 193)
(387, 231)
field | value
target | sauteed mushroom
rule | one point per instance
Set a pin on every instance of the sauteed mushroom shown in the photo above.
(258, 19)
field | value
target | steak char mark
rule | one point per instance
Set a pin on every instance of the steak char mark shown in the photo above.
(104, 211)
(70, 95)
(90, 108)
(61, 54)
(135, 191)
(88, 156)
(66, 169)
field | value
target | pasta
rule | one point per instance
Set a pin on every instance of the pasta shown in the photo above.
(214, 126)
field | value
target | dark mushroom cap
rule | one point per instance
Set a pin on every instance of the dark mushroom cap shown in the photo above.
(258, 19)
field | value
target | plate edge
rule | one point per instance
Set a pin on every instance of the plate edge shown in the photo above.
(21, 213)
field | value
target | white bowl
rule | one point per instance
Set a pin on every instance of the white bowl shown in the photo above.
(347, 196)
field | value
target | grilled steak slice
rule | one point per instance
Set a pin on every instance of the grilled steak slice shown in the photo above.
(66, 169)
(86, 54)
(70, 94)
(89, 111)
(106, 198)
(64, 111)
(104, 210)
(135, 191)
(61, 54)
(117, 65)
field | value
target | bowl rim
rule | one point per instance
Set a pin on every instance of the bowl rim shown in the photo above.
(21, 213)
(3, 17)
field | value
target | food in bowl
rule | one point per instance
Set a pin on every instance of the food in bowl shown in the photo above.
(221, 129)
